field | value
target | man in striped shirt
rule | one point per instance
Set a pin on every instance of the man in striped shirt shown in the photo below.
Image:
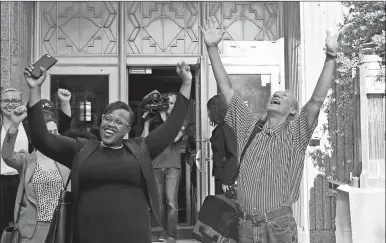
(272, 167)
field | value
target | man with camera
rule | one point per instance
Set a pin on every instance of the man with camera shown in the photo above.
(167, 166)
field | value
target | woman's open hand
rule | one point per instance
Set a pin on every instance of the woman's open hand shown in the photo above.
(31, 81)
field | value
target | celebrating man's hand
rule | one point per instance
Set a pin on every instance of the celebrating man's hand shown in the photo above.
(332, 42)
(31, 81)
(183, 71)
(64, 95)
(212, 36)
(18, 115)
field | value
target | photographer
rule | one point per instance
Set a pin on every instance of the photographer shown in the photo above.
(167, 166)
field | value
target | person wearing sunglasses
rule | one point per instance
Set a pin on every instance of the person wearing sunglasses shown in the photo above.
(113, 183)
(11, 98)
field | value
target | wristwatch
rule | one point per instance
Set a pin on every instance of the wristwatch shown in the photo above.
(331, 56)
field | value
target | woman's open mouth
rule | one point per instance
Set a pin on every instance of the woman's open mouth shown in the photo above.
(109, 132)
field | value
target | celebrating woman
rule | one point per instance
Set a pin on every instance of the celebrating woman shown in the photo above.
(224, 146)
(112, 181)
(41, 178)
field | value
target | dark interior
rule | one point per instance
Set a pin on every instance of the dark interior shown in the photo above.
(165, 80)
(91, 88)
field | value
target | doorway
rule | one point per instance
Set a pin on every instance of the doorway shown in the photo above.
(90, 95)
(165, 80)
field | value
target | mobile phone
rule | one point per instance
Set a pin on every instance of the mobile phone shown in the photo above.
(46, 62)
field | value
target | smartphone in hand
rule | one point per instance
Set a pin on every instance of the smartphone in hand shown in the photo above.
(46, 62)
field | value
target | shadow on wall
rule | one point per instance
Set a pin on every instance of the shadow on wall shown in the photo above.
(322, 212)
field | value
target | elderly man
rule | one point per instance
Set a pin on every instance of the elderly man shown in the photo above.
(11, 98)
(272, 166)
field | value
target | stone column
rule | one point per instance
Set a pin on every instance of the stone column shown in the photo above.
(16, 43)
(372, 121)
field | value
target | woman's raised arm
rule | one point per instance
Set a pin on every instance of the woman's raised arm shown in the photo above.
(56, 147)
(158, 140)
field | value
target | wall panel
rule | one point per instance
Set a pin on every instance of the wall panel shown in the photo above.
(69, 28)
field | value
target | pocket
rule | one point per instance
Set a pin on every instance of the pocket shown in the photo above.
(282, 229)
(282, 223)
(245, 234)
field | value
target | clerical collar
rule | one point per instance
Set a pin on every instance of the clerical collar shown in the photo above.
(111, 147)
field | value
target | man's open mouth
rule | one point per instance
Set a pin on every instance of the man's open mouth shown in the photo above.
(275, 101)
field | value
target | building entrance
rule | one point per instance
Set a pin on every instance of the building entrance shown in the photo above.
(165, 80)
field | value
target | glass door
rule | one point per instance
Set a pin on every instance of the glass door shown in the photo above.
(255, 81)
(92, 89)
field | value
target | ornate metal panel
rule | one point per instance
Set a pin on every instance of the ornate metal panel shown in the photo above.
(79, 27)
(246, 21)
(162, 27)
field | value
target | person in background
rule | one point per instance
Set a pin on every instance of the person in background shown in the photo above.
(167, 170)
(113, 183)
(41, 178)
(11, 98)
(224, 146)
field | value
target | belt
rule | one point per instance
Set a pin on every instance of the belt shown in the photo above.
(264, 217)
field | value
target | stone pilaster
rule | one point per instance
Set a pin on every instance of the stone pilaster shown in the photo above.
(16, 43)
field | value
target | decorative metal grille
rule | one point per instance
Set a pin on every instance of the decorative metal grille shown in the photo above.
(246, 21)
(79, 27)
(172, 27)
(162, 27)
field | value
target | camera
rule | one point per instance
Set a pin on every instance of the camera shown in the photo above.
(155, 103)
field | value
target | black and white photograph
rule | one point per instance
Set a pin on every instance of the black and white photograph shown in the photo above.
(192, 122)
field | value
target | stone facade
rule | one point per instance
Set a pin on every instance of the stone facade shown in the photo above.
(16, 43)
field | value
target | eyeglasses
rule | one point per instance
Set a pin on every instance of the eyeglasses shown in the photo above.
(118, 121)
(13, 102)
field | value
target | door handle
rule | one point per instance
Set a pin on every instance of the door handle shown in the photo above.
(198, 159)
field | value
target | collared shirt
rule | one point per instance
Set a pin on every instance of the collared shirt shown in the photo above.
(21, 144)
(272, 168)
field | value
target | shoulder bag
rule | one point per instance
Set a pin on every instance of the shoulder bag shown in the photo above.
(60, 230)
(218, 217)
(11, 233)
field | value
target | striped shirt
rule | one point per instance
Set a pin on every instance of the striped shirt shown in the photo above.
(272, 168)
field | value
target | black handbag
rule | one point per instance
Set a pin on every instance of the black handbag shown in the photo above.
(218, 217)
(11, 233)
(61, 226)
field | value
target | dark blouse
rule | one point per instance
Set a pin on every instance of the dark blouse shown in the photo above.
(112, 195)
(224, 147)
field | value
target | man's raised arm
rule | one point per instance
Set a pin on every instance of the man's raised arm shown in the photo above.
(212, 37)
(325, 78)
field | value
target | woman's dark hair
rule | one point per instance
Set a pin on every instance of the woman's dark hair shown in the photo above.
(119, 105)
(217, 110)
(49, 116)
